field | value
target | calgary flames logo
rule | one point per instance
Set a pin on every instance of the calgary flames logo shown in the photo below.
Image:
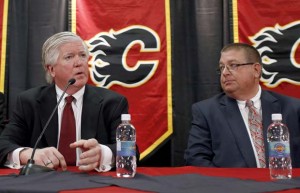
(278, 47)
(109, 51)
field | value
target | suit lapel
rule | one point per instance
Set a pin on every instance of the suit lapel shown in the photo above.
(237, 126)
(90, 113)
(269, 105)
(47, 102)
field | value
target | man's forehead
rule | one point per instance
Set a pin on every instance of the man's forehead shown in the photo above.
(232, 56)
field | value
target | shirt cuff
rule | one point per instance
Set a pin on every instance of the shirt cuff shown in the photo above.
(13, 159)
(106, 159)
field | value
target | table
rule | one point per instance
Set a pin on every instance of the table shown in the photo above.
(259, 174)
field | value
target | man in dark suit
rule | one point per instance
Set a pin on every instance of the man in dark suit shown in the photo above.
(220, 136)
(97, 113)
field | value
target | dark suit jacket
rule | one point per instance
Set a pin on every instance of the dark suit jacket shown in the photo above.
(101, 114)
(219, 138)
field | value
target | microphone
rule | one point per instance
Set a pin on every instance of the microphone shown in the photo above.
(30, 167)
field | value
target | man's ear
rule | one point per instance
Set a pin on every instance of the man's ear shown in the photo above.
(258, 70)
(50, 69)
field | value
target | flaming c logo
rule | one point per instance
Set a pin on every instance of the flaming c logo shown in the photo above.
(109, 51)
(277, 46)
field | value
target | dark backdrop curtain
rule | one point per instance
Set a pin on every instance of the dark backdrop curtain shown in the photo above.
(31, 22)
(199, 30)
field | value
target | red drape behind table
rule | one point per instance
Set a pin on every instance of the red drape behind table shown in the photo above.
(129, 42)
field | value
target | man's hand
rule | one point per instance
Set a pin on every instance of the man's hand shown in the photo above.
(49, 157)
(91, 154)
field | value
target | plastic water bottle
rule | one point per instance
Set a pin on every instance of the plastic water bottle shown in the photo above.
(126, 149)
(279, 149)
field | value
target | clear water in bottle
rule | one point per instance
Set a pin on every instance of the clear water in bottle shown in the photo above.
(280, 164)
(126, 148)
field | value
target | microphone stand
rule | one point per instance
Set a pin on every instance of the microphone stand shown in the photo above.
(31, 167)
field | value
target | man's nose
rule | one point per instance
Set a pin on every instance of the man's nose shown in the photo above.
(79, 61)
(225, 70)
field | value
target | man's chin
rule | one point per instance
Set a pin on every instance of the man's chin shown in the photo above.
(228, 87)
(81, 78)
(80, 82)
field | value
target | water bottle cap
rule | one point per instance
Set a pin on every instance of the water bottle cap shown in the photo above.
(125, 117)
(276, 116)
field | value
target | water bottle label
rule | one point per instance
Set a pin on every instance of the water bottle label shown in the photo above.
(126, 148)
(279, 149)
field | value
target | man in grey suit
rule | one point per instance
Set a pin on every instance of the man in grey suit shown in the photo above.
(220, 136)
(97, 113)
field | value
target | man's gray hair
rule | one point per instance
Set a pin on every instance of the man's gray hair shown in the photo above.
(51, 49)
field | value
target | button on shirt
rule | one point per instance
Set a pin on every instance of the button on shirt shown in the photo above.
(244, 111)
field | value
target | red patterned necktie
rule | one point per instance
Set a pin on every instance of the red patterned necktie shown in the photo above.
(256, 130)
(68, 132)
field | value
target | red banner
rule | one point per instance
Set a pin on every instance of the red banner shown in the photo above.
(129, 42)
(273, 27)
(3, 39)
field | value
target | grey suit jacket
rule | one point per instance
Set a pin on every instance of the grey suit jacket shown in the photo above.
(101, 114)
(219, 138)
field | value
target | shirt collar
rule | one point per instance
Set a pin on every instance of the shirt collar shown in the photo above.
(255, 99)
(78, 96)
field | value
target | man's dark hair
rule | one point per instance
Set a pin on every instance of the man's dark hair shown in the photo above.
(251, 53)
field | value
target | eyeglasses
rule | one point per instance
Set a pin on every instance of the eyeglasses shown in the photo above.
(232, 67)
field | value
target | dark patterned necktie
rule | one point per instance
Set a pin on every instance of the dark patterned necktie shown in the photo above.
(68, 132)
(256, 130)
